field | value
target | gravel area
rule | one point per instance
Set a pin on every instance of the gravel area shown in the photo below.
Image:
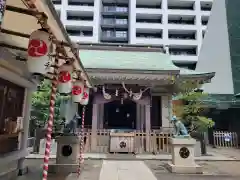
(91, 170)
(212, 170)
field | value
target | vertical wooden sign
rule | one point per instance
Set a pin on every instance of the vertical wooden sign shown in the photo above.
(2, 10)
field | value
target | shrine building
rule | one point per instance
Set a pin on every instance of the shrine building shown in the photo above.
(133, 88)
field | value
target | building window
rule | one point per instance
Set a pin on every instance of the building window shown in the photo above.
(121, 34)
(121, 21)
(117, 34)
(115, 9)
(111, 21)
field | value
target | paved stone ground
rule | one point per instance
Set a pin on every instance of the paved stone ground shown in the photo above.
(140, 170)
(212, 170)
(91, 170)
(227, 152)
(125, 170)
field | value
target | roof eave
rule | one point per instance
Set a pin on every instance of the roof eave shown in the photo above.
(134, 71)
(203, 76)
(55, 15)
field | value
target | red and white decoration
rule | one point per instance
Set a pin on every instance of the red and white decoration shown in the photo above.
(65, 79)
(38, 51)
(77, 91)
(85, 97)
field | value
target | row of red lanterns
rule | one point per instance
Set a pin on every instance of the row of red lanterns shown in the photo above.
(39, 62)
(66, 85)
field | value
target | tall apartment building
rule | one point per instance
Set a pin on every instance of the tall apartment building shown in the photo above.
(179, 24)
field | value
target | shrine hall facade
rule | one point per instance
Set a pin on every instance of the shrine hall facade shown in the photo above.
(133, 88)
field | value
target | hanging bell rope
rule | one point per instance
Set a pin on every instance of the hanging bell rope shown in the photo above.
(51, 119)
(81, 158)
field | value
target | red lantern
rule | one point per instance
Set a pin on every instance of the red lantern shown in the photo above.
(38, 49)
(85, 97)
(77, 91)
(65, 79)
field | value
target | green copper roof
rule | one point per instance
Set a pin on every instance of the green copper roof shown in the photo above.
(153, 61)
(188, 72)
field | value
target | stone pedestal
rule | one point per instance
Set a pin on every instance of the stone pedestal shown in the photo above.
(67, 155)
(183, 156)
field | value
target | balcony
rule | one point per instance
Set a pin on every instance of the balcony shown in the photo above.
(82, 9)
(80, 3)
(114, 36)
(183, 53)
(182, 20)
(145, 22)
(57, 2)
(184, 58)
(149, 7)
(181, 5)
(80, 34)
(206, 5)
(79, 18)
(150, 37)
(203, 34)
(205, 20)
(114, 23)
(147, 11)
(177, 37)
(115, 11)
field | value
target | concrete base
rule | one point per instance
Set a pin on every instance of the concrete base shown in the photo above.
(184, 164)
(66, 163)
(194, 169)
(62, 168)
(23, 171)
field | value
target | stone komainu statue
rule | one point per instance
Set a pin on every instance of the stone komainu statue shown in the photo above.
(71, 126)
(180, 129)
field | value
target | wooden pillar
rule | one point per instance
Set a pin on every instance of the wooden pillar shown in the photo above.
(147, 125)
(142, 117)
(138, 117)
(24, 135)
(165, 111)
(101, 115)
(94, 127)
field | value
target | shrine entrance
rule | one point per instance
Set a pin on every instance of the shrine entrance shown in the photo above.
(120, 115)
